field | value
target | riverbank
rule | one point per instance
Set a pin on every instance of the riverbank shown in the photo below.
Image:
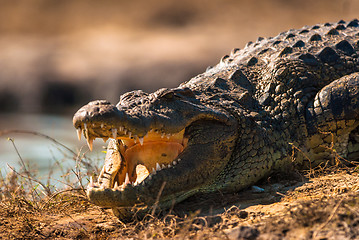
(323, 206)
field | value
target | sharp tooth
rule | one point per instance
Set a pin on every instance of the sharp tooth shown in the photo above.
(116, 185)
(168, 136)
(129, 134)
(162, 135)
(102, 125)
(90, 143)
(141, 141)
(91, 181)
(114, 133)
(86, 131)
(174, 162)
(127, 179)
(120, 128)
(79, 133)
(125, 131)
(158, 167)
(169, 165)
(163, 166)
(153, 171)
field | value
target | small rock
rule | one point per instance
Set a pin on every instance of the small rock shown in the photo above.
(257, 189)
(243, 232)
(243, 214)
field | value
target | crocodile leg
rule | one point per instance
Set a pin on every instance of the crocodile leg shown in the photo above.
(333, 114)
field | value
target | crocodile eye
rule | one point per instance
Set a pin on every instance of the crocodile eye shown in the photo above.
(168, 95)
(187, 92)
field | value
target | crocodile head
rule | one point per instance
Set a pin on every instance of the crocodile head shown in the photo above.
(168, 143)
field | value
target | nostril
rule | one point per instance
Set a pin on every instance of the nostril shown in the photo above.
(100, 102)
(81, 114)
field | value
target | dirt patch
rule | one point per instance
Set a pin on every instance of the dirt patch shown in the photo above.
(322, 207)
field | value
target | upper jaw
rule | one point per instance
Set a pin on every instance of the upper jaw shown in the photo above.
(101, 119)
(106, 120)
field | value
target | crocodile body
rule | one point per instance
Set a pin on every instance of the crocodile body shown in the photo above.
(293, 97)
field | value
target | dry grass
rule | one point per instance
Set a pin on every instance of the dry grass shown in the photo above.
(324, 207)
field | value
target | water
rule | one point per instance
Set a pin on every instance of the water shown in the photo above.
(42, 154)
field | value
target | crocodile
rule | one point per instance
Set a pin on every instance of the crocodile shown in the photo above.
(280, 101)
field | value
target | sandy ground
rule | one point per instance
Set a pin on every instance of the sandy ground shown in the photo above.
(325, 206)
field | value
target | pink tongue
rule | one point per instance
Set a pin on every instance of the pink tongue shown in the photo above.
(151, 153)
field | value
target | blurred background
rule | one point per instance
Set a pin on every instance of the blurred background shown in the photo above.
(56, 56)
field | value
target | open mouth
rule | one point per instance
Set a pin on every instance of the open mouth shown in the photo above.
(131, 159)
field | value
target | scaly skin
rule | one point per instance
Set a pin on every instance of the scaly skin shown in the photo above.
(234, 124)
